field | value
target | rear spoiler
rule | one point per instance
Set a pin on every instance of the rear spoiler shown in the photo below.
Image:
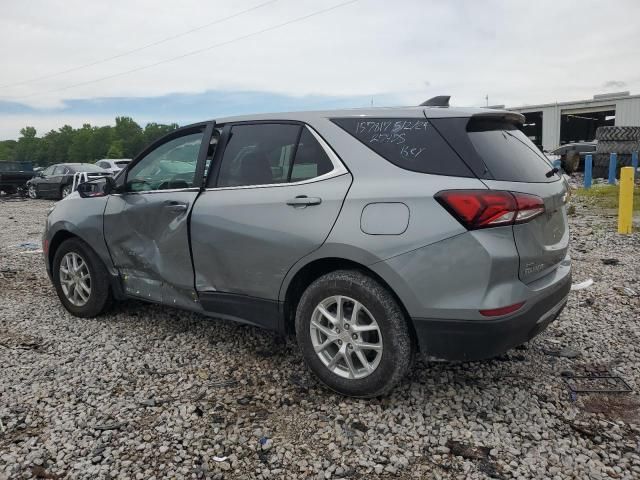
(509, 117)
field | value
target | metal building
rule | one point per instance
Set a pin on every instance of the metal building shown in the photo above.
(553, 124)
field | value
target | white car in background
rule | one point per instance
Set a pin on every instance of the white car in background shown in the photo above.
(114, 165)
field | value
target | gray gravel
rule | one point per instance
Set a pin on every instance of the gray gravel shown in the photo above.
(150, 392)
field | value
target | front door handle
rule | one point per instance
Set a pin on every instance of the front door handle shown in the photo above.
(303, 201)
(174, 206)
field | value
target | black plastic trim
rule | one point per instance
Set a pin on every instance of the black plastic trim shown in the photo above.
(243, 308)
(471, 340)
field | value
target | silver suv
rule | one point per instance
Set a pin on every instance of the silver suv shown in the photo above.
(372, 234)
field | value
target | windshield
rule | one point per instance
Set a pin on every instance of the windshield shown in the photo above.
(16, 167)
(122, 163)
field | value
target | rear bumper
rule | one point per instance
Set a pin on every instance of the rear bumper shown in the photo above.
(480, 339)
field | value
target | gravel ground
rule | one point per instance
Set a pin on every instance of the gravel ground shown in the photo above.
(150, 392)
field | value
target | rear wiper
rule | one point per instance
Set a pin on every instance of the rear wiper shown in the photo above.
(552, 172)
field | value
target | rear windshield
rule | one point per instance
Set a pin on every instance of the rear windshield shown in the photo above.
(507, 152)
(87, 167)
(410, 143)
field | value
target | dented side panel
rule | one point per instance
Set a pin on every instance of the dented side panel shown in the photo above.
(149, 245)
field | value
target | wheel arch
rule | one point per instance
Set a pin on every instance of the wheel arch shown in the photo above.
(321, 266)
(58, 238)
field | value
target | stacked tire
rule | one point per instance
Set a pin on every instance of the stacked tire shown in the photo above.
(620, 140)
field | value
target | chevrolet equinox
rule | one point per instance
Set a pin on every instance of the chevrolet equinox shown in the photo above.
(371, 234)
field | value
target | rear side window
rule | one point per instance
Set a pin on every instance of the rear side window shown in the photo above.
(507, 152)
(410, 143)
(311, 160)
(258, 154)
(271, 153)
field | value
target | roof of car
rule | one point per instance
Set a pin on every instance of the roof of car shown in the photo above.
(391, 112)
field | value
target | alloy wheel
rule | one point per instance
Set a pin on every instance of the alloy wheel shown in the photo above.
(32, 191)
(75, 279)
(346, 337)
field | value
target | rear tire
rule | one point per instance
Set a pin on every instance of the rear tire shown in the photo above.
(379, 323)
(87, 303)
(65, 191)
(616, 134)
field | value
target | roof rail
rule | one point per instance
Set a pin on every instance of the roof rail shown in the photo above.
(439, 101)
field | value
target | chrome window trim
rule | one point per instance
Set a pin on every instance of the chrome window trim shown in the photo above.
(168, 190)
(338, 169)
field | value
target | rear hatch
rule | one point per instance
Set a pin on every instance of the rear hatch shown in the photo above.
(505, 159)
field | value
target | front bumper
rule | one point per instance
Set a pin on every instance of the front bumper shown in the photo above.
(480, 339)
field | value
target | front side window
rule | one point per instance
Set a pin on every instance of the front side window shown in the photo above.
(48, 171)
(171, 165)
(265, 154)
(59, 170)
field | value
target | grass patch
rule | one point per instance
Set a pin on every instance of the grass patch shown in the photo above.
(606, 196)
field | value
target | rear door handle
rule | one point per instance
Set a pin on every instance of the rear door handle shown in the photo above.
(303, 201)
(174, 206)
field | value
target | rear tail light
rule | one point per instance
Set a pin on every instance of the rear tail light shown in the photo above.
(490, 208)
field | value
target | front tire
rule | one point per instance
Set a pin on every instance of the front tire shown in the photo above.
(353, 334)
(32, 192)
(81, 279)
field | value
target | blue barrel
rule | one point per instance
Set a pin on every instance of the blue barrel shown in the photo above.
(588, 170)
(613, 160)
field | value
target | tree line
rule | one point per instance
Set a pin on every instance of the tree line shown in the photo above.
(82, 145)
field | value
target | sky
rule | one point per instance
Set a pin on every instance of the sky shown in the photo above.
(78, 61)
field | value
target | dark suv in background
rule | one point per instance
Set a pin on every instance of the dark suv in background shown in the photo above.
(56, 180)
(14, 176)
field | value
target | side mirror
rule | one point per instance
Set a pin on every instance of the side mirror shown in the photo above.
(96, 188)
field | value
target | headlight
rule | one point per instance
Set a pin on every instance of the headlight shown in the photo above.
(51, 209)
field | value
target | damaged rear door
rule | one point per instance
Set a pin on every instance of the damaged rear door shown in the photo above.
(146, 226)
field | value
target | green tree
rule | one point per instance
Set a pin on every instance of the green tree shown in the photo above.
(130, 134)
(79, 148)
(100, 142)
(86, 144)
(115, 150)
(8, 150)
(153, 131)
(27, 146)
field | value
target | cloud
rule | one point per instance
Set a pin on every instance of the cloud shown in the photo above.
(515, 52)
(614, 84)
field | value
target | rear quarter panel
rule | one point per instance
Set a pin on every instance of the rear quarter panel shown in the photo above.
(377, 180)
